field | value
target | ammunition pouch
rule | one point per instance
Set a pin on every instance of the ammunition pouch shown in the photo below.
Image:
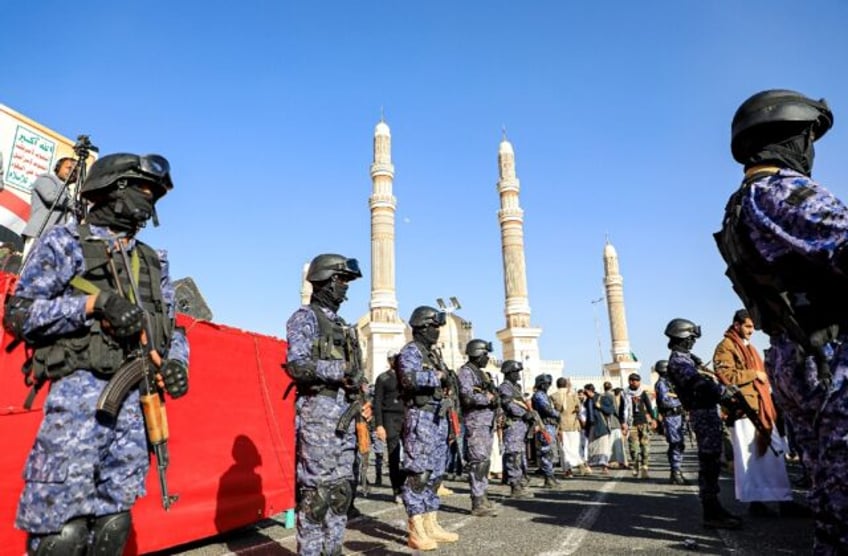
(417, 482)
(672, 411)
(94, 351)
(313, 503)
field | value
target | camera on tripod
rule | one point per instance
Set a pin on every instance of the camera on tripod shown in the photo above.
(83, 146)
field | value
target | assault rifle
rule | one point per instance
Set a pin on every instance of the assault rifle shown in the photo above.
(355, 395)
(139, 371)
(741, 404)
(451, 399)
(538, 424)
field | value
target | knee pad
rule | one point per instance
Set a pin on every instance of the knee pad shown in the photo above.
(110, 534)
(340, 496)
(417, 482)
(313, 504)
(479, 470)
(72, 540)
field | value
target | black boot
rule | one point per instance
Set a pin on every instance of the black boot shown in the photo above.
(518, 492)
(716, 517)
(480, 509)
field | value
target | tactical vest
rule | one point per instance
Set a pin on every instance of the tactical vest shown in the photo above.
(639, 408)
(515, 395)
(793, 295)
(330, 345)
(93, 348)
(486, 385)
(422, 396)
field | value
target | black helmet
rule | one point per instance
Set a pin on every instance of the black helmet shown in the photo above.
(762, 119)
(427, 316)
(682, 328)
(476, 348)
(323, 267)
(510, 366)
(108, 170)
(661, 367)
(543, 381)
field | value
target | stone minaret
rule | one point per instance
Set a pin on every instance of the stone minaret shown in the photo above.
(384, 330)
(520, 341)
(305, 286)
(622, 357)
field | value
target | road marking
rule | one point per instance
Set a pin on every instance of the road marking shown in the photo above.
(587, 518)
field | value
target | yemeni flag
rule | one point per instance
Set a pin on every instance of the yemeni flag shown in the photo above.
(14, 214)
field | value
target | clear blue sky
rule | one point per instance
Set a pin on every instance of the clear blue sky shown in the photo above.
(619, 113)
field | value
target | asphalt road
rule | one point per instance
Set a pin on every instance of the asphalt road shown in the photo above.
(593, 515)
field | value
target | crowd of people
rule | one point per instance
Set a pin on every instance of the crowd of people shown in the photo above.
(93, 301)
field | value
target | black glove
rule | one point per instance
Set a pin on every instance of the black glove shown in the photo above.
(125, 319)
(175, 376)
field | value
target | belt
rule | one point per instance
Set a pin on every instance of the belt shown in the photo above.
(673, 411)
(327, 392)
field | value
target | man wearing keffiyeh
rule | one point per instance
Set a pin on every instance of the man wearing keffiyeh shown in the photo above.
(760, 474)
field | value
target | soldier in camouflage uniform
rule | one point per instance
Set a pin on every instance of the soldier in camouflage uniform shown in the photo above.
(785, 239)
(517, 419)
(700, 395)
(542, 404)
(479, 400)
(422, 379)
(672, 415)
(86, 469)
(322, 363)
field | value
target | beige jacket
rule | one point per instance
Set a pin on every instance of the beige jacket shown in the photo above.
(566, 402)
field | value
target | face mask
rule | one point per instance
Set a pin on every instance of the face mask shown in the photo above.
(125, 209)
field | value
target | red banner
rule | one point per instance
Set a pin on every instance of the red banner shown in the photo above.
(231, 445)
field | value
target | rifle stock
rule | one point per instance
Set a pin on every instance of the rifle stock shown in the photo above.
(355, 395)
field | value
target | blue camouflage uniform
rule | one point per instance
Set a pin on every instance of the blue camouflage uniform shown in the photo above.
(702, 394)
(479, 424)
(515, 430)
(325, 458)
(550, 417)
(672, 412)
(79, 465)
(425, 430)
(788, 213)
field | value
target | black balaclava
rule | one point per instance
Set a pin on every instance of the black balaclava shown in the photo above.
(330, 293)
(480, 361)
(513, 376)
(795, 152)
(427, 335)
(125, 209)
(682, 345)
